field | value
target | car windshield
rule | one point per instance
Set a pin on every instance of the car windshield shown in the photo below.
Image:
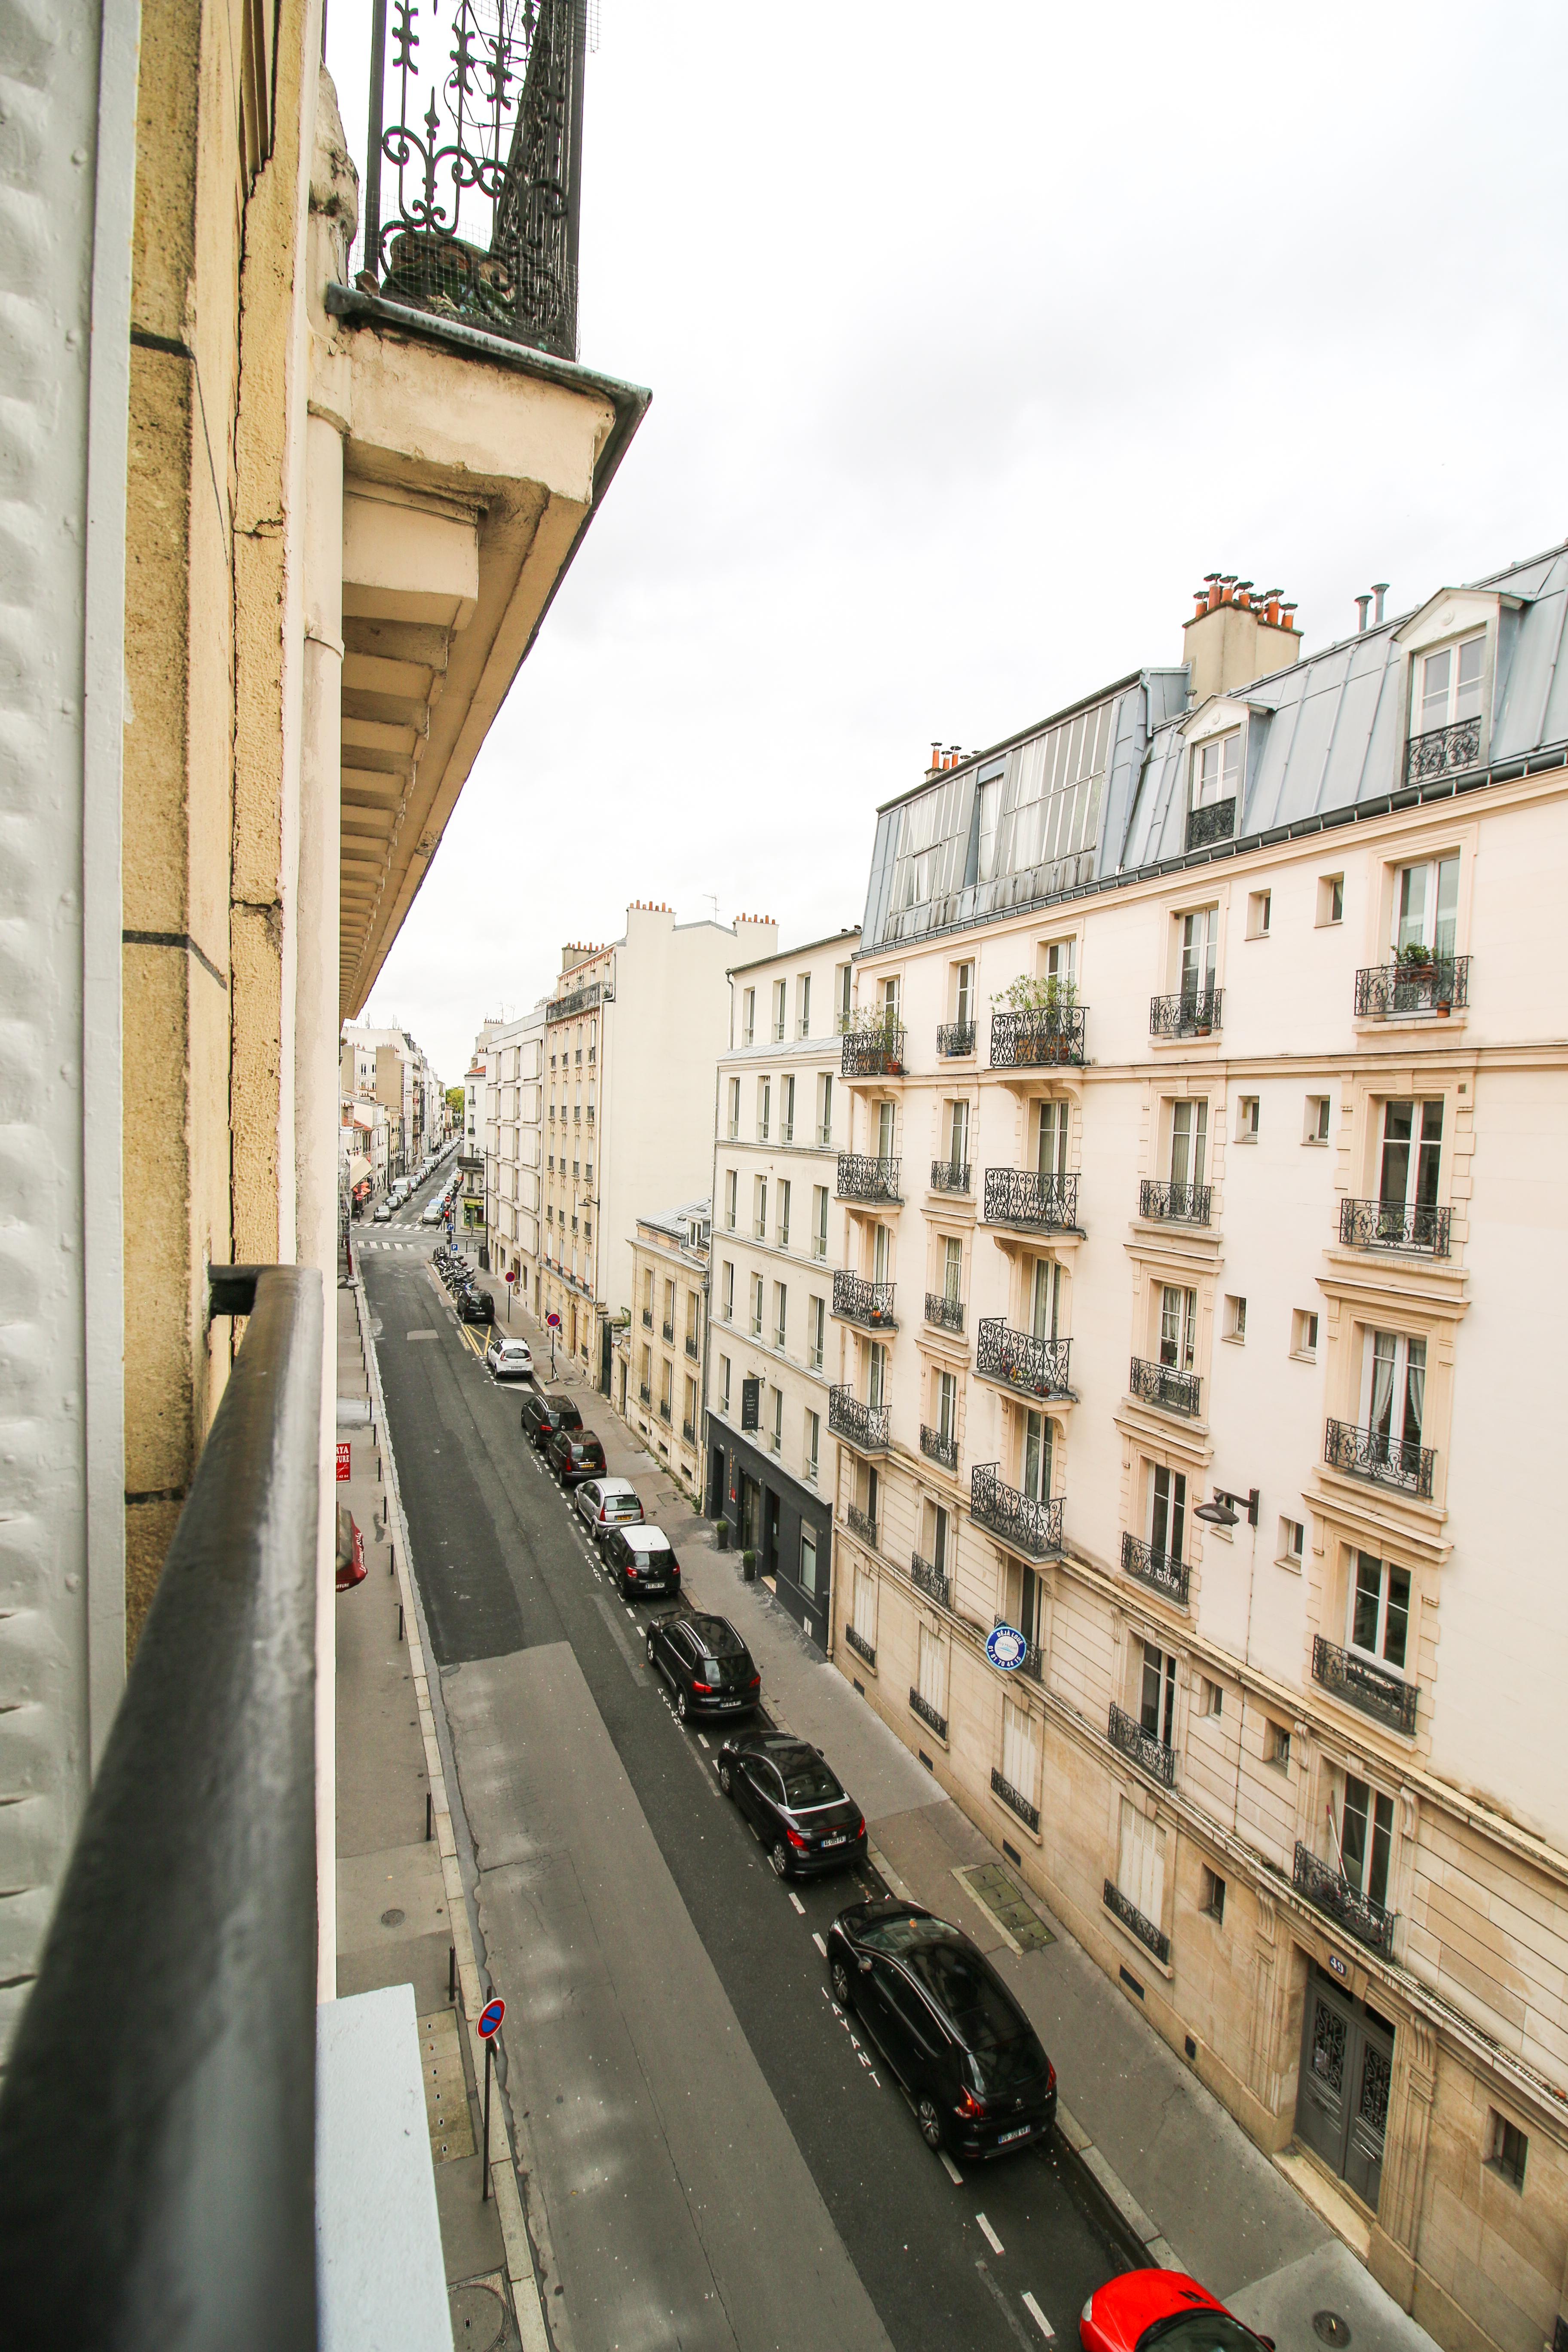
(1198, 2331)
(718, 1639)
(903, 1935)
(1003, 2049)
(808, 1781)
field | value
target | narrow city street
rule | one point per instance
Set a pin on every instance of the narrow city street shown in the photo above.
(714, 2156)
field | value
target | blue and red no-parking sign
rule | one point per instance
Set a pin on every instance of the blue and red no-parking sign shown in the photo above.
(490, 2017)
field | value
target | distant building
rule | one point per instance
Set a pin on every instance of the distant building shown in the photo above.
(510, 1138)
(656, 1383)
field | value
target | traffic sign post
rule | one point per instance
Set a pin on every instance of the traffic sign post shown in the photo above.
(553, 1320)
(490, 2026)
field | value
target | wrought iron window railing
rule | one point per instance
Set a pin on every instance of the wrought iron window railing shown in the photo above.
(667, 1331)
(927, 1713)
(1039, 1037)
(1148, 1752)
(1385, 992)
(157, 2117)
(1163, 1385)
(1395, 1225)
(648, 1318)
(645, 1392)
(946, 1313)
(955, 1041)
(1356, 1912)
(1174, 1204)
(862, 1176)
(1191, 1013)
(949, 1175)
(1037, 1368)
(873, 1048)
(859, 1645)
(1374, 1454)
(1169, 1577)
(865, 1426)
(860, 1523)
(1152, 1938)
(930, 1579)
(1021, 1196)
(1362, 1684)
(939, 1447)
(688, 1431)
(1007, 1795)
(870, 1304)
(1443, 750)
(1217, 822)
(1023, 1522)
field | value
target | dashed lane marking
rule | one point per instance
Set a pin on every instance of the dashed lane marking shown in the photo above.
(1038, 2316)
(796, 1901)
(950, 2169)
(818, 1942)
(703, 1739)
(989, 2234)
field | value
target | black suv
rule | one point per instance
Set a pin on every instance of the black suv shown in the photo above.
(974, 2067)
(476, 1306)
(544, 1415)
(574, 1455)
(706, 1666)
(794, 1800)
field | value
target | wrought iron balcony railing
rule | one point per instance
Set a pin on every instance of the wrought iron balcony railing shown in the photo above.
(1385, 992)
(1356, 1912)
(955, 1041)
(1362, 1684)
(939, 1447)
(1035, 1368)
(864, 1426)
(1022, 1522)
(1372, 1453)
(158, 2114)
(949, 1175)
(1169, 1578)
(869, 1304)
(1152, 1938)
(1393, 1225)
(860, 1523)
(691, 1345)
(1039, 1037)
(873, 1048)
(859, 1645)
(667, 1333)
(864, 1177)
(1174, 1204)
(930, 1579)
(1021, 1196)
(644, 1394)
(946, 1313)
(1163, 1385)
(1215, 822)
(1007, 1795)
(688, 1431)
(927, 1713)
(1191, 1013)
(1149, 1752)
(648, 1318)
(1443, 750)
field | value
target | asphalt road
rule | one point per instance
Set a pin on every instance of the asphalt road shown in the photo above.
(716, 2156)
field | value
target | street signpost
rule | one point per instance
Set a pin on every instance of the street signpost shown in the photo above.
(553, 1320)
(490, 2026)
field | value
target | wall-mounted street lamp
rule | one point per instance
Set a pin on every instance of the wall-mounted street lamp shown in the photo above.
(1226, 1509)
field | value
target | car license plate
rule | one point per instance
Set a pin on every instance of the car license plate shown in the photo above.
(729, 1701)
(1019, 2131)
(659, 1587)
(836, 1839)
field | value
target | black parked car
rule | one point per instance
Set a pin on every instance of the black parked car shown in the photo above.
(544, 1415)
(706, 1666)
(794, 1800)
(476, 1306)
(974, 2065)
(641, 1560)
(574, 1455)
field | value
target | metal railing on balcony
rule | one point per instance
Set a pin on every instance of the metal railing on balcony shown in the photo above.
(664, 1408)
(1152, 1938)
(949, 1175)
(1031, 1367)
(157, 2117)
(1174, 1205)
(859, 1645)
(864, 1426)
(1191, 1013)
(648, 1318)
(927, 1713)
(1039, 1037)
(1217, 822)
(929, 1579)
(688, 1431)
(869, 1304)
(1024, 1523)
(1443, 750)
(939, 1446)
(862, 1176)
(1007, 1795)
(955, 1041)
(1385, 992)
(1395, 1225)
(1023, 1197)
(644, 1394)
(946, 1313)
(1364, 1685)
(1169, 1578)
(691, 1345)
(1148, 1752)
(1326, 1890)
(667, 1331)
(1165, 1386)
(1374, 1454)
(873, 1048)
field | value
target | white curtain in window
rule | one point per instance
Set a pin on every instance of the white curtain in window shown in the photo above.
(1020, 1749)
(1383, 1345)
(1415, 1392)
(1140, 1864)
(866, 1607)
(933, 1671)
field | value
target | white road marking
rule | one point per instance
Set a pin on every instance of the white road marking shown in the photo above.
(703, 1739)
(1038, 2316)
(818, 1942)
(796, 1901)
(950, 2169)
(991, 2240)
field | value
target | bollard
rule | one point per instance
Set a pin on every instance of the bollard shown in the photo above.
(429, 1816)
(400, 1621)
(452, 1973)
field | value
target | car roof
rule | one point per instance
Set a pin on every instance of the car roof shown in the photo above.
(645, 1539)
(617, 1486)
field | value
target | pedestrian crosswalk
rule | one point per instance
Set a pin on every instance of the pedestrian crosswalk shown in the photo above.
(371, 1242)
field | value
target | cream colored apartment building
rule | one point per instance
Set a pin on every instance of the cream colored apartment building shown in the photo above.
(509, 1134)
(657, 1377)
(1196, 1374)
(778, 1236)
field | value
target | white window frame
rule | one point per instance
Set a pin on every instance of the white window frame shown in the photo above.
(1383, 1589)
(1436, 702)
(1216, 771)
(1187, 1149)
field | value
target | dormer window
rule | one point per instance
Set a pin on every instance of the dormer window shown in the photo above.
(1215, 786)
(1446, 693)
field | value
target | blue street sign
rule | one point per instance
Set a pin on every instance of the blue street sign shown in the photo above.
(1005, 1647)
(490, 2017)
(553, 1320)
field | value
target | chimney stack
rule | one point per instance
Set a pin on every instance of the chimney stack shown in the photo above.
(1235, 635)
(1379, 590)
(1360, 604)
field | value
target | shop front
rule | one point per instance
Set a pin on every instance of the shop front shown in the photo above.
(786, 1524)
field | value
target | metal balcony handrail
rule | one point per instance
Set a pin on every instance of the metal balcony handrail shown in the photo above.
(927, 1713)
(1026, 1523)
(864, 1176)
(1215, 822)
(645, 1392)
(1372, 1453)
(157, 2117)
(1443, 750)
(859, 1645)
(1023, 1196)
(946, 1313)
(1395, 1224)
(667, 1331)
(1032, 1367)
(688, 1431)
(1148, 1752)
(866, 1426)
(1364, 1685)
(1169, 1577)
(648, 1318)
(1386, 991)
(870, 1304)
(860, 1523)
(664, 1408)
(691, 1345)
(873, 1048)
(577, 1000)
(1015, 1802)
(949, 1175)
(1327, 1891)
(927, 1578)
(1039, 1037)
(1164, 1385)
(1152, 1938)
(955, 1041)
(1174, 1204)
(1191, 1013)
(939, 1447)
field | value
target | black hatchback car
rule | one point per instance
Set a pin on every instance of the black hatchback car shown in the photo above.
(794, 1800)
(476, 1306)
(544, 1415)
(641, 1562)
(973, 2064)
(706, 1666)
(574, 1455)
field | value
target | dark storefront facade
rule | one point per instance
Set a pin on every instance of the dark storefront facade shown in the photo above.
(788, 1527)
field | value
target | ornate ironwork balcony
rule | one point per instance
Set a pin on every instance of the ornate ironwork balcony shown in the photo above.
(864, 1426)
(1034, 1368)
(1215, 822)
(688, 1431)
(946, 1313)
(1391, 1225)
(1443, 750)
(1149, 1753)
(1356, 1912)
(1387, 991)
(927, 1714)
(691, 1345)
(1152, 1938)
(648, 1318)
(1007, 1795)
(949, 1175)
(1025, 1524)
(955, 1041)
(930, 1579)
(1174, 1204)
(860, 1523)
(1039, 1037)
(1163, 1385)
(859, 1645)
(667, 1333)
(664, 1408)
(1387, 1698)
(1388, 1461)
(1192, 1012)
(1169, 1578)
(938, 1448)
(1021, 1196)
(870, 1304)
(873, 1048)
(644, 1394)
(863, 1177)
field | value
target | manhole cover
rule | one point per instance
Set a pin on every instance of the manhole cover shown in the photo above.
(478, 2319)
(395, 1918)
(1330, 2328)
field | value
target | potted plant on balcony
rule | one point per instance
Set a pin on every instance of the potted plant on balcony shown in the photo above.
(1415, 962)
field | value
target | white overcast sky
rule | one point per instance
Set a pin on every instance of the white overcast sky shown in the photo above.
(977, 336)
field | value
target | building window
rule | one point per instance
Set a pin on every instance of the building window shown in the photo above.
(756, 1305)
(1412, 1156)
(784, 1193)
(1331, 899)
(1199, 949)
(1141, 1863)
(1276, 1744)
(781, 1315)
(843, 987)
(760, 1207)
(1425, 908)
(877, 1375)
(964, 994)
(932, 1672)
(824, 1107)
(1394, 1389)
(1046, 1300)
(819, 1221)
(865, 1619)
(764, 1108)
(1035, 1468)
(1304, 1333)
(813, 1448)
(1380, 1609)
(952, 1269)
(1448, 686)
(727, 1292)
(1020, 1749)
(780, 1005)
(748, 1015)
(1167, 1511)
(1216, 769)
(803, 1005)
(776, 1435)
(1211, 1700)
(1178, 1326)
(1293, 1543)
(1366, 1839)
(1051, 1137)
(1212, 1901)
(1189, 1143)
(1508, 2150)
(724, 1384)
(885, 1131)
(787, 1110)
(947, 1407)
(731, 1198)
(1235, 1319)
(1259, 913)
(1316, 1128)
(809, 1534)
(734, 1122)
(958, 1134)
(816, 1326)
(1157, 1697)
(1248, 1114)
